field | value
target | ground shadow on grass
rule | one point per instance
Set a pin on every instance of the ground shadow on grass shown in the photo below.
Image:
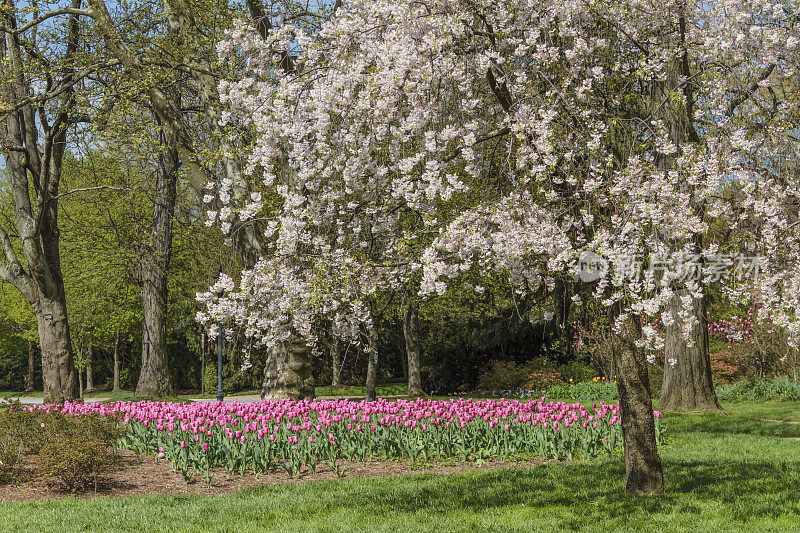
(721, 424)
(599, 484)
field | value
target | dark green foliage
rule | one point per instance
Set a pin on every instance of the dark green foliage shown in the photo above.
(537, 375)
(13, 360)
(210, 377)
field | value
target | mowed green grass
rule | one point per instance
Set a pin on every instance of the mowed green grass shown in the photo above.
(723, 473)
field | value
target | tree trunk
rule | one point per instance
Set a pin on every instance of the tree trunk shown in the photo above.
(642, 464)
(401, 348)
(58, 366)
(336, 364)
(116, 362)
(411, 335)
(154, 380)
(372, 365)
(247, 238)
(29, 377)
(288, 373)
(687, 383)
(89, 370)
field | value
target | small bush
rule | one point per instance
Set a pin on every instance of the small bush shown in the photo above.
(18, 437)
(725, 369)
(210, 378)
(576, 371)
(504, 376)
(543, 379)
(77, 449)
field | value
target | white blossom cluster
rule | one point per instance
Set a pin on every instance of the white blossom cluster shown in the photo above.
(422, 139)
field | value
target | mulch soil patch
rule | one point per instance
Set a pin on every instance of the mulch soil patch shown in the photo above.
(137, 475)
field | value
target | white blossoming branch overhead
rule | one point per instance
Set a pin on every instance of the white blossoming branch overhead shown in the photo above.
(429, 138)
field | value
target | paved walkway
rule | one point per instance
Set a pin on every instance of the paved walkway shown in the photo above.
(28, 400)
(245, 398)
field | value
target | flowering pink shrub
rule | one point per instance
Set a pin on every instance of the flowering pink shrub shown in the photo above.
(753, 345)
(290, 434)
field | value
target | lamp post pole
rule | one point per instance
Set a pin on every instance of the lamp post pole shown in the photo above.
(220, 395)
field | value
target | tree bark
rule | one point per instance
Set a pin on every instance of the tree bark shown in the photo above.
(687, 384)
(33, 172)
(29, 377)
(411, 335)
(372, 364)
(80, 385)
(401, 347)
(642, 463)
(336, 363)
(287, 373)
(58, 367)
(180, 18)
(89, 369)
(116, 362)
(154, 380)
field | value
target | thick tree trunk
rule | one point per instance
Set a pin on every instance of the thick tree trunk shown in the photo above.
(336, 364)
(372, 365)
(89, 369)
(287, 373)
(59, 381)
(411, 335)
(33, 170)
(116, 362)
(29, 377)
(687, 382)
(154, 380)
(642, 464)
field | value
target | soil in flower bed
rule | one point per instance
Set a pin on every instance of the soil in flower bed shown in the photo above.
(140, 475)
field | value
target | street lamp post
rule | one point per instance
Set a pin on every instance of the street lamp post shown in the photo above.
(220, 394)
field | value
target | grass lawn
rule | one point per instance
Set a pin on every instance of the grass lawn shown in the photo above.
(723, 473)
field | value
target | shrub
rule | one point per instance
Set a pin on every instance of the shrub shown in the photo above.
(210, 378)
(11, 445)
(506, 376)
(576, 371)
(502, 375)
(725, 369)
(77, 450)
(543, 379)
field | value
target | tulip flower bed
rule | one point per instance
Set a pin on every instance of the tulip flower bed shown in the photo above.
(291, 435)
